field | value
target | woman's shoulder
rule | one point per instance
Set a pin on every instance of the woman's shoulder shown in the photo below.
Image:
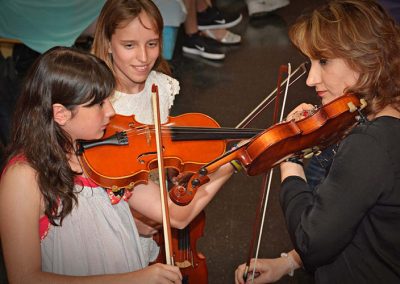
(382, 132)
(381, 126)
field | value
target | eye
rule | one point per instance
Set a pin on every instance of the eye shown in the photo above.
(323, 61)
(153, 43)
(129, 45)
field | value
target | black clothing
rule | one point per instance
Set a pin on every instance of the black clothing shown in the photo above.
(348, 229)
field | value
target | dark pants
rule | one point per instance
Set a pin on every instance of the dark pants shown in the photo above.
(318, 167)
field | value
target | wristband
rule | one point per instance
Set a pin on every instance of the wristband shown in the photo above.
(237, 167)
(291, 263)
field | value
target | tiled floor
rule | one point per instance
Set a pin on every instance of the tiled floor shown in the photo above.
(227, 91)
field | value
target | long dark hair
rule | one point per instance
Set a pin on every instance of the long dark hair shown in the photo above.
(365, 36)
(68, 77)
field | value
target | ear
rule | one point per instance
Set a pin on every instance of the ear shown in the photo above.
(61, 114)
(109, 48)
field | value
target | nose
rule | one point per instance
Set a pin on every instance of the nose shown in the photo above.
(313, 77)
(142, 56)
(108, 108)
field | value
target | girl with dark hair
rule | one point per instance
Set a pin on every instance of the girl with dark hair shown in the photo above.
(56, 225)
(346, 231)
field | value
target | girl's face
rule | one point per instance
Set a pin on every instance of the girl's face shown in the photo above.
(135, 48)
(331, 77)
(89, 122)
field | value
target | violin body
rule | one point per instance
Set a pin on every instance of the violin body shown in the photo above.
(125, 165)
(300, 138)
(192, 263)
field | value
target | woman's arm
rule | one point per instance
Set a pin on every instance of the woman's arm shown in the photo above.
(322, 223)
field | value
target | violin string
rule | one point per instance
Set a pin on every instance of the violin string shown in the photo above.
(194, 130)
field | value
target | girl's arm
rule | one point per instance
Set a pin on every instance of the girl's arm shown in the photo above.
(146, 199)
(20, 210)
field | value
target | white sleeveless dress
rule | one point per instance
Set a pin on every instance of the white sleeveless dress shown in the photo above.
(96, 238)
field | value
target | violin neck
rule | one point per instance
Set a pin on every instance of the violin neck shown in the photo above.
(203, 133)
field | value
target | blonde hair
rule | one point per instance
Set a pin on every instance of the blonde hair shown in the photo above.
(117, 13)
(365, 36)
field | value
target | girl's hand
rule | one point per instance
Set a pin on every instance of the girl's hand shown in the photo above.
(158, 274)
(267, 271)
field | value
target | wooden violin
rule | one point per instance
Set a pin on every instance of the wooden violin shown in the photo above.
(190, 261)
(280, 141)
(127, 154)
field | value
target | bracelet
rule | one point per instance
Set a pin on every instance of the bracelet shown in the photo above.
(295, 160)
(291, 263)
(237, 167)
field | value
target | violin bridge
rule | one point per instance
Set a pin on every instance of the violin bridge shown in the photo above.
(183, 264)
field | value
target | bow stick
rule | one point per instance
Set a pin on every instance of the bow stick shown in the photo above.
(263, 202)
(163, 188)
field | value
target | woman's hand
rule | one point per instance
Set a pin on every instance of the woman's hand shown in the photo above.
(266, 271)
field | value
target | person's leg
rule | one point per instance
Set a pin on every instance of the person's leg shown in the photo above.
(190, 23)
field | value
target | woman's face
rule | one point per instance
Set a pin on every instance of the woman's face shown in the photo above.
(330, 78)
(135, 48)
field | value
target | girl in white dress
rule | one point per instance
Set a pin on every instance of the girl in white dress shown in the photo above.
(56, 225)
(128, 38)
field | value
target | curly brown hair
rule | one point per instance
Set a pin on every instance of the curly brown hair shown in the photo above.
(365, 36)
(63, 76)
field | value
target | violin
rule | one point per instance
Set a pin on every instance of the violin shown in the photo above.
(192, 263)
(300, 138)
(127, 153)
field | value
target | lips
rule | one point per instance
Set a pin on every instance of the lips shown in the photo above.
(141, 69)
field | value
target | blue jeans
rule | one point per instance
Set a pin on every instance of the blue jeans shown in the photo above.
(318, 167)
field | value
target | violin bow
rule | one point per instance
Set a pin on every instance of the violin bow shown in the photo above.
(267, 180)
(271, 96)
(163, 188)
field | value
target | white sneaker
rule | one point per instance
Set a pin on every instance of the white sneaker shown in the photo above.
(259, 7)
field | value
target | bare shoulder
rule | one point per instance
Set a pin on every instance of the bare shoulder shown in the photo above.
(18, 185)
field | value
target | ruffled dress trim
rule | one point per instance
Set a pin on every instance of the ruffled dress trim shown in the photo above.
(140, 103)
